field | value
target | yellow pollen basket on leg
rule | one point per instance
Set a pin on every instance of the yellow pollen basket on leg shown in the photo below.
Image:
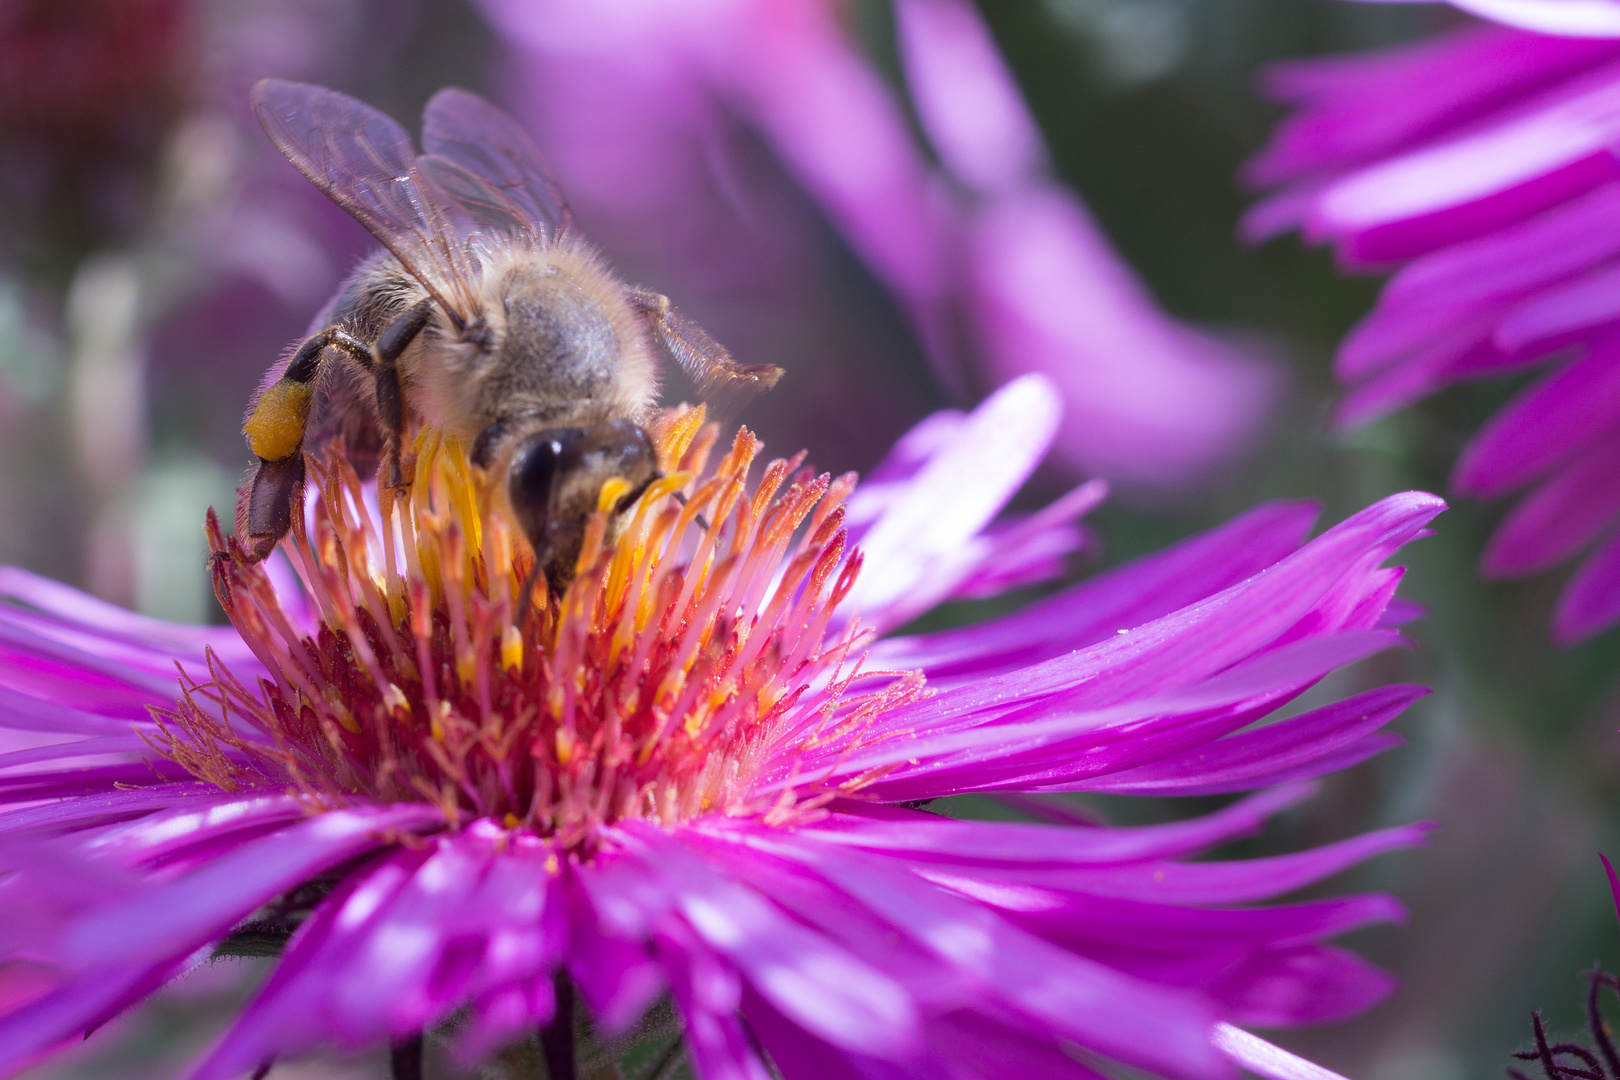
(276, 425)
(698, 636)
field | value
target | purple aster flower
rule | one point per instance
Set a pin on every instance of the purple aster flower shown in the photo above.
(1000, 269)
(1480, 165)
(701, 772)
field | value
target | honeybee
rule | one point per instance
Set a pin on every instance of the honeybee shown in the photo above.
(487, 316)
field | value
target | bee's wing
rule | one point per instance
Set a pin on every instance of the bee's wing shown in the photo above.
(365, 162)
(468, 131)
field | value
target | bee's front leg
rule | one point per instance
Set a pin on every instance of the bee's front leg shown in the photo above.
(390, 394)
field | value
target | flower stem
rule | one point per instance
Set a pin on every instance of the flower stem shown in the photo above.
(557, 1037)
(405, 1057)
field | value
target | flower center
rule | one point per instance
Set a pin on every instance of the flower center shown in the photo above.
(689, 650)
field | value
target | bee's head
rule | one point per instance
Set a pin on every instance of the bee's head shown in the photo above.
(556, 476)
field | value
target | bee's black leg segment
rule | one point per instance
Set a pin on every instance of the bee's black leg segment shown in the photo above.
(384, 358)
(681, 498)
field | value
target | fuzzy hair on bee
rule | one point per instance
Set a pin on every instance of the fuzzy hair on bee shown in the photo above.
(487, 317)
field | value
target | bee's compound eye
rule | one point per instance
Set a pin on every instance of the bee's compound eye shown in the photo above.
(532, 479)
(628, 446)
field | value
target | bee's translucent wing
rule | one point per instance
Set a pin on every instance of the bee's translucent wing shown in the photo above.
(365, 162)
(484, 211)
(465, 129)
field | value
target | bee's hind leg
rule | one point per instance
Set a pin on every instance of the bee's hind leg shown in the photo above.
(275, 432)
(384, 365)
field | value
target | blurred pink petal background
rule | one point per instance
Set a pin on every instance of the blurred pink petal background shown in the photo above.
(999, 270)
(1480, 165)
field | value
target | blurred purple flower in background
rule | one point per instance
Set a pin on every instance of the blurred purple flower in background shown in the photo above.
(154, 256)
(484, 804)
(999, 269)
(1482, 164)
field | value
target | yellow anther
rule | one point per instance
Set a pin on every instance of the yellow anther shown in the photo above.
(511, 649)
(276, 425)
(395, 699)
(612, 492)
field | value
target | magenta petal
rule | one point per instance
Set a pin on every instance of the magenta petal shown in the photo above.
(178, 916)
(924, 837)
(1136, 593)
(1316, 984)
(827, 991)
(1147, 400)
(1172, 652)
(798, 1055)
(1553, 149)
(1255, 758)
(1240, 882)
(1510, 262)
(720, 1048)
(105, 808)
(965, 96)
(77, 608)
(1562, 313)
(1565, 18)
(1045, 754)
(1436, 365)
(951, 499)
(615, 972)
(289, 1016)
(1591, 601)
(1560, 516)
(1100, 1008)
(81, 1005)
(1614, 883)
(1357, 108)
(1555, 417)
(1263, 1059)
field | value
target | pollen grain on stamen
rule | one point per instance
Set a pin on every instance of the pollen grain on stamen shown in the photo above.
(690, 644)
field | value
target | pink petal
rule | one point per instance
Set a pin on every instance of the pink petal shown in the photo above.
(1552, 149)
(1567, 239)
(1264, 1059)
(175, 917)
(1360, 108)
(1591, 601)
(965, 96)
(1100, 1008)
(1147, 401)
(925, 838)
(1557, 416)
(950, 500)
(1573, 18)
(1266, 755)
(1559, 517)
(825, 990)
(1131, 595)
